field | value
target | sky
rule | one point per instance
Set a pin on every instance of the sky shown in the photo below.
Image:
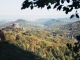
(11, 10)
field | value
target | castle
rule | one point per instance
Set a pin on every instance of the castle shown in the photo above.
(16, 25)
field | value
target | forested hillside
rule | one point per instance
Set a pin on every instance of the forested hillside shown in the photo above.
(38, 44)
(72, 28)
(41, 42)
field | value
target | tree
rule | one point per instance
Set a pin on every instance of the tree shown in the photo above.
(75, 49)
(59, 4)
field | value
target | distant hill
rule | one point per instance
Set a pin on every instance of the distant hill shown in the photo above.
(39, 23)
(69, 20)
(54, 22)
(73, 28)
(23, 23)
(42, 21)
(50, 22)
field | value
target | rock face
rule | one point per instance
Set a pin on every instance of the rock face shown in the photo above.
(2, 36)
(16, 25)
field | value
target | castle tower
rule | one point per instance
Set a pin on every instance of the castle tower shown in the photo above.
(16, 25)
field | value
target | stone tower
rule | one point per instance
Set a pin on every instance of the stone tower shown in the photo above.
(16, 25)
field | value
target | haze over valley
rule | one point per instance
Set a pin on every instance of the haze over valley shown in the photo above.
(58, 25)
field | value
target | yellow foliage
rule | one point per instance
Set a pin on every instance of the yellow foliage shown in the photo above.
(9, 36)
(20, 36)
(28, 45)
(4, 31)
(33, 37)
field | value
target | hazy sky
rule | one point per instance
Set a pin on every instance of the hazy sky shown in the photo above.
(11, 9)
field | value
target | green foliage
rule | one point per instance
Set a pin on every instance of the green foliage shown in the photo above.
(10, 36)
(72, 29)
(75, 49)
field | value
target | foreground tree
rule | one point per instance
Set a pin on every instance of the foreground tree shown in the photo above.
(59, 4)
(75, 49)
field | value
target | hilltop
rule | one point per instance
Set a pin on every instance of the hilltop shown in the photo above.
(72, 28)
(24, 24)
(50, 22)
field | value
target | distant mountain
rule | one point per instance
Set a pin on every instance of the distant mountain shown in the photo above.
(69, 20)
(50, 22)
(54, 22)
(21, 20)
(42, 21)
(39, 23)
(24, 24)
